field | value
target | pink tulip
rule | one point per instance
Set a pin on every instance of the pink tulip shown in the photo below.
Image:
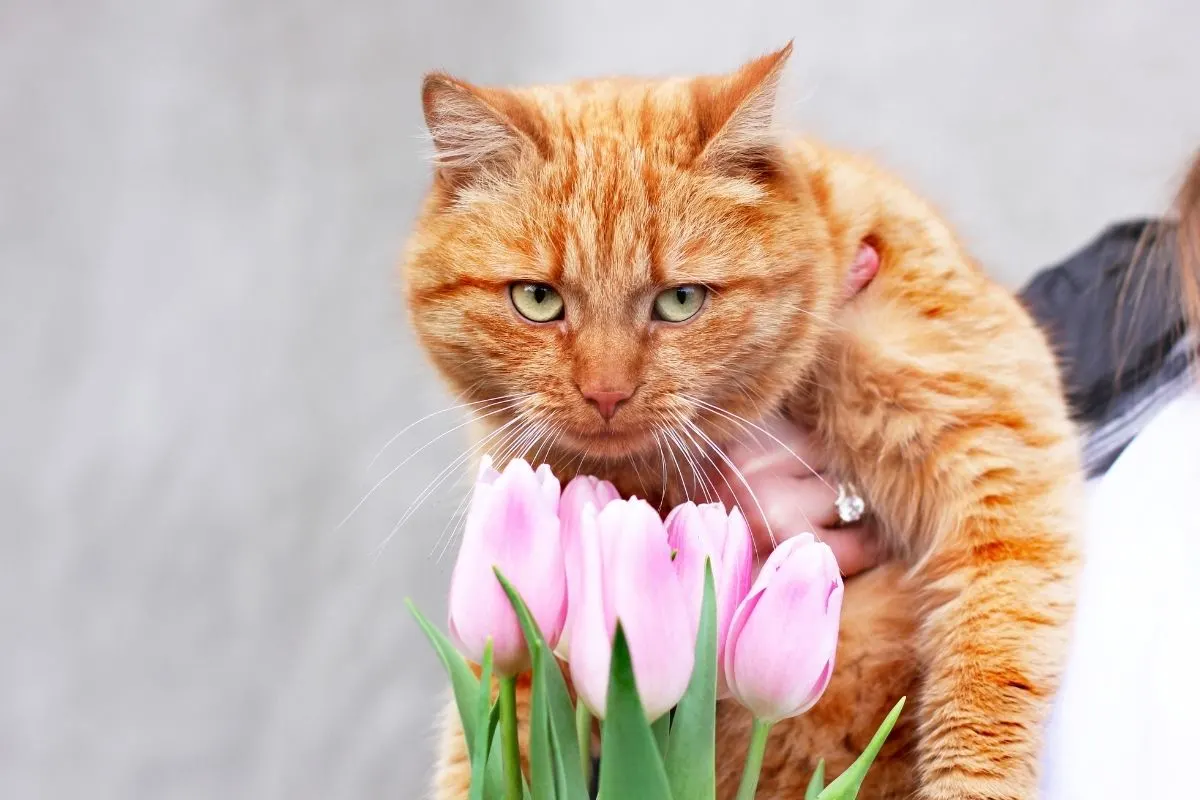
(779, 654)
(697, 533)
(512, 524)
(627, 574)
(582, 492)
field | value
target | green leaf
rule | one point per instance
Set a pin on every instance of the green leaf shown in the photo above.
(483, 729)
(846, 785)
(661, 728)
(630, 765)
(466, 694)
(817, 783)
(541, 762)
(691, 753)
(560, 710)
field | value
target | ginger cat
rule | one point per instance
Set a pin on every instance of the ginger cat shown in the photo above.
(629, 266)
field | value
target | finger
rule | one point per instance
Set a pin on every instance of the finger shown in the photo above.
(855, 549)
(784, 505)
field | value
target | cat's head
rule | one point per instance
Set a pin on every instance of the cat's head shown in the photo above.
(620, 256)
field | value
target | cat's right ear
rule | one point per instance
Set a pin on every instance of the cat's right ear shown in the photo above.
(476, 132)
(738, 111)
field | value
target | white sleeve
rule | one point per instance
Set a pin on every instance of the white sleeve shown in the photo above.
(1126, 722)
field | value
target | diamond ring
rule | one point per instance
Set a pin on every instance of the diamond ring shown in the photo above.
(850, 505)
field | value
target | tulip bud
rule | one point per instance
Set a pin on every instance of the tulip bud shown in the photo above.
(780, 649)
(581, 492)
(512, 525)
(627, 574)
(706, 532)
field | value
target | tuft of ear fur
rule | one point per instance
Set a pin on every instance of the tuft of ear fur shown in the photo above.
(473, 129)
(740, 110)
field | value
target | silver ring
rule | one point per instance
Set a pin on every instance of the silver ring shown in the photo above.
(850, 505)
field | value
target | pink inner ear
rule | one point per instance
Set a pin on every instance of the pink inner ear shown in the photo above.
(866, 264)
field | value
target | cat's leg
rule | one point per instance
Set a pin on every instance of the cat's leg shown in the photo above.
(452, 775)
(993, 646)
(876, 665)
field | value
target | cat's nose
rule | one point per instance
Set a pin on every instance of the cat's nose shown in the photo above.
(606, 400)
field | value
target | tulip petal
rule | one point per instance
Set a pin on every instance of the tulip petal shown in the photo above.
(591, 638)
(478, 607)
(512, 525)
(687, 539)
(650, 603)
(781, 643)
(580, 492)
(732, 584)
(487, 473)
(549, 485)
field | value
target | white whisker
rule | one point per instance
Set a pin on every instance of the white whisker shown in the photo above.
(741, 477)
(678, 469)
(410, 457)
(483, 405)
(687, 457)
(663, 457)
(699, 449)
(739, 420)
(438, 480)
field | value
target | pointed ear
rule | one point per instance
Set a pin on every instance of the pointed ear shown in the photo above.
(740, 109)
(473, 130)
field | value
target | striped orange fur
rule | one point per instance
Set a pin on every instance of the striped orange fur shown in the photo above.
(932, 389)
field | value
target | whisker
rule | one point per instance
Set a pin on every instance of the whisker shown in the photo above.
(745, 483)
(740, 419)
(526, 441)
(687, 456)
(458, 516)
(501, 449)
(663, 457)
(703, 452)
(410, 457)
(699, 449)
(547, 444)
(438, 480)
(678, 469)
(582, 458)
(483, 405)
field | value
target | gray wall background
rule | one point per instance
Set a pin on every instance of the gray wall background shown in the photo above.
(202, 346)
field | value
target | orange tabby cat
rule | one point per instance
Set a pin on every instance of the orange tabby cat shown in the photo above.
(632, 263)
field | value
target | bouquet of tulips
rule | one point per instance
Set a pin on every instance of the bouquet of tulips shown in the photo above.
(656, 622)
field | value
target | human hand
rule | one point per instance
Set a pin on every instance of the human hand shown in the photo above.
(783, 491)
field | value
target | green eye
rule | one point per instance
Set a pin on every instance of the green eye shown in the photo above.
(536, 302)
(679, 303)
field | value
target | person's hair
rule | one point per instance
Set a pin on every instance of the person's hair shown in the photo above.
(1187, 244)
(1163, 282)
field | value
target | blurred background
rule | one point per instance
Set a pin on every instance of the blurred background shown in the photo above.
(202, 345)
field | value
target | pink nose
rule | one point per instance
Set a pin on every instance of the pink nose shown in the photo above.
(606, 402)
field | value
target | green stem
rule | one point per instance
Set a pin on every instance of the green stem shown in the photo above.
(583, 732)
(754, 759)
(508, 737)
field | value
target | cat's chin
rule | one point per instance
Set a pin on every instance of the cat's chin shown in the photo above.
(608, 445)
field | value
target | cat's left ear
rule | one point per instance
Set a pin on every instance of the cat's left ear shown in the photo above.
(740, 109)
(476, 131)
